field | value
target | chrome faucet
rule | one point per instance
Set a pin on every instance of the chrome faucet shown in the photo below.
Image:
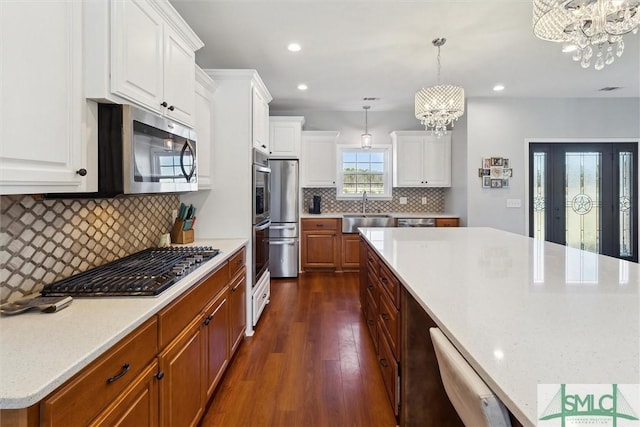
(364, 202)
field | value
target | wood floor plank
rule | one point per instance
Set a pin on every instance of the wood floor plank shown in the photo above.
(310, 363)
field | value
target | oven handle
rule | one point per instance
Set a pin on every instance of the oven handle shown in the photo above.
(282, 242)
(263, 226)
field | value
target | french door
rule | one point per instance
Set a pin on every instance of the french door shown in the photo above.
(585, 196)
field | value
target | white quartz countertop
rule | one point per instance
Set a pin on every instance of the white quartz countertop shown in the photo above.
(39, 352)
(521, 311)
(393, 214)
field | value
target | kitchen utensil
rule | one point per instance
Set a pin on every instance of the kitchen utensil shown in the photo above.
(44, 304)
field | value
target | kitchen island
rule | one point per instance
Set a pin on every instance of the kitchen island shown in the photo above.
(522, 312)
(41, 352)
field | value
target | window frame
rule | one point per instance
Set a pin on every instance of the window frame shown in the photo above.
(386, 150)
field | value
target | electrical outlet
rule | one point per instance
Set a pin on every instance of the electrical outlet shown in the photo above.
(514, 203)
(174, 213)
(424, 200)
(403, 200)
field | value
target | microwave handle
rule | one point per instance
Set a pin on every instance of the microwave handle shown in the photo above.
(188, 145)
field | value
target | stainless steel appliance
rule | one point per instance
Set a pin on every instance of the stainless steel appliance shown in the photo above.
(261, 218)
(140, 152)
(144, 273)
(283, 237)
(416, 222)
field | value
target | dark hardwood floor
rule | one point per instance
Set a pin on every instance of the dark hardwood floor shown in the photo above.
(310, 362)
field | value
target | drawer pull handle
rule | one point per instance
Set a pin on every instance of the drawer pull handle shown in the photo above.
(370, 321)
(160, 375)
(240, 262)
(125, 369)
(319, 225)
(370, 287)
(383, 362)
(384, 316)
(383, 279)
(208, 319)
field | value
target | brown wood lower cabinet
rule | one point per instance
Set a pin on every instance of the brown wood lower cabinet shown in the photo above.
(350, 251)
(161, 374)
(137, 405)
(320, 246)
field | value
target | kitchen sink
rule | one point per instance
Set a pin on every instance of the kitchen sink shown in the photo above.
(350, 223)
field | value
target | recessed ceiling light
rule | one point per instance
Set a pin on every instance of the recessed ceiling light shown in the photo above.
(294, 47)
(498, 88)
(302, 86)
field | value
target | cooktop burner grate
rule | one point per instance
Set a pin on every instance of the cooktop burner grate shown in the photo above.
(145, 273)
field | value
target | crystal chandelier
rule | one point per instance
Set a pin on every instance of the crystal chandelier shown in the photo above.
(587, 27)
(441, 105)
(366, 140)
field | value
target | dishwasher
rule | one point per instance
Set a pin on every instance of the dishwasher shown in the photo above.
(416, 222)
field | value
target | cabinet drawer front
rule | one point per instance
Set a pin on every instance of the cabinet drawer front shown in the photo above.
(389, 369)
(389, 321)
(319, 224)
(372, 262)
(175, 318)
(237, 262)
(372, 288)
(446, 222)
(84, 396)
(370, 313)
(390, 283)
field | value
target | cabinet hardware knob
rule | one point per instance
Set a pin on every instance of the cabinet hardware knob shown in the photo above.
(384, 316)
(383, 279)
(160, 375)
(164, 104)
(263, 146)
(171, 108)
(370, 321)
(370, 287)
(125, 369)
(383, 362)
(81, 172)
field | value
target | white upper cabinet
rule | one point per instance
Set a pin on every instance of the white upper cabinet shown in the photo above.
(421, 159)
(43, 148)
(318, 160)
(285, 136)
(205, 88)
(141, 51)
(260, 119)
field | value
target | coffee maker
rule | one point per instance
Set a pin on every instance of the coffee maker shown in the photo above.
(314, 207)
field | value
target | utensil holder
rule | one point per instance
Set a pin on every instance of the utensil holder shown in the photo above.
(178, 235)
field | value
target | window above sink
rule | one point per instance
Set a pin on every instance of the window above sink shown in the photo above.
(363, 170)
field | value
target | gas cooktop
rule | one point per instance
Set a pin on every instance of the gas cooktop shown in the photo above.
(145, 273)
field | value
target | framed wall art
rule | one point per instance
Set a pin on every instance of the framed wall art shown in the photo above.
(495, 172)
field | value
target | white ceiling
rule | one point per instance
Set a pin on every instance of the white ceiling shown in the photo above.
(382, 48)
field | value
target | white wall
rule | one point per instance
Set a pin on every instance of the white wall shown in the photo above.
(498, 127)
(351, 125)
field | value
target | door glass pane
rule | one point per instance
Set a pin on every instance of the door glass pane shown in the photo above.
(583, 200)
(539, 196)
(626, 200)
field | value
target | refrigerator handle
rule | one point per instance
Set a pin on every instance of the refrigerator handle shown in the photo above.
(283, 227)
(282, 242)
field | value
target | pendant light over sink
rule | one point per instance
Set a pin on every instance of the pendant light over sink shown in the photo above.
(365, 139)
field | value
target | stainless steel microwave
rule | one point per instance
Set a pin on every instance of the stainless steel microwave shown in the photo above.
(140, 153)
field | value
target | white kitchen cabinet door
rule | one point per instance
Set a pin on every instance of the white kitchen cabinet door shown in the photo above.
(285, 137)
(421, 159)
(205, 88)
(408, 164)
(137, 41)
(437, 161)
(179, 84)
(318, 161)
(41, 108)
(260, 120)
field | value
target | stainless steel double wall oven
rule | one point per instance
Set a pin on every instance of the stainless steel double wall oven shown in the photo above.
(261, 215)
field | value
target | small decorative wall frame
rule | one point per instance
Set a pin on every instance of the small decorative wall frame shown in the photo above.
(495, 172)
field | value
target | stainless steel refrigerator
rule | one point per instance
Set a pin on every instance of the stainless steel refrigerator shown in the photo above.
(283, 233)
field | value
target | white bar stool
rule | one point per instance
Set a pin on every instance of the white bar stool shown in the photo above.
(474, 402)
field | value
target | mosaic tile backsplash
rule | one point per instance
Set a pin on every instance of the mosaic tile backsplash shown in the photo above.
(329, 204)
(42, 241)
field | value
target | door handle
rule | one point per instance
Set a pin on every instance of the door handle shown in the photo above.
(282, 242)
(283, 227)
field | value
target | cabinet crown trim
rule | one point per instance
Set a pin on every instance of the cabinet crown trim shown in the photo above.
(177, 22)
(240, 74)
(288, 119)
